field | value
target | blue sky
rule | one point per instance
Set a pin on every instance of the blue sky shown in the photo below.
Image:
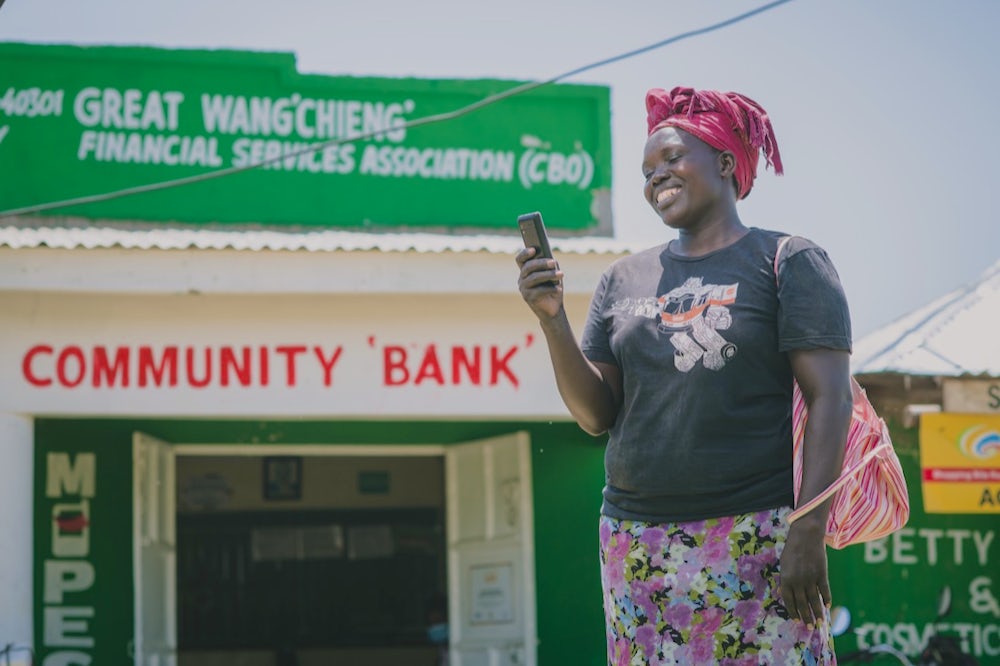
(885, 110)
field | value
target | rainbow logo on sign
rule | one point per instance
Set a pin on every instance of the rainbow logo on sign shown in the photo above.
(979, 442)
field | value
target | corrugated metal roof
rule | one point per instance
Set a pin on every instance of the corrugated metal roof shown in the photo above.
(957, 334)
(68, 235)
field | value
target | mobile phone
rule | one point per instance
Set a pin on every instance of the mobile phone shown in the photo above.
(533, 232)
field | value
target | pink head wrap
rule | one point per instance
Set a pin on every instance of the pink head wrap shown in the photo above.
(725, 121)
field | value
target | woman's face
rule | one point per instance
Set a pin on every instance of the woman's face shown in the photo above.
(685, 177)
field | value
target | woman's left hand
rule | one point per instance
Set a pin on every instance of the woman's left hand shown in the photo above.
(825, 379)
(805, 585)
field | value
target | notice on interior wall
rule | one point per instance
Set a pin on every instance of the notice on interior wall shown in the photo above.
(369, 542)
(206, 492)
(322, 542)
(274, 544)
(314, 542)
(373, 483)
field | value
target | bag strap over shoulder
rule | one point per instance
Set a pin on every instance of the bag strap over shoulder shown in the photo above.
(777, 253)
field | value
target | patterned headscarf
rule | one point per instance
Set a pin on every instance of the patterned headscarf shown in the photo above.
(725, 121)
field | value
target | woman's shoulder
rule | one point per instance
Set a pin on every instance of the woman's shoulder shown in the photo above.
(803, 257)
(790, 244)
(639, 259)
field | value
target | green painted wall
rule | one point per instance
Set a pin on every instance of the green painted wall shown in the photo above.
(568, 475)
(891, 587)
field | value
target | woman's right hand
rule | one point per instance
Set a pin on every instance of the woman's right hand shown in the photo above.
(591, 391)
(540, 283)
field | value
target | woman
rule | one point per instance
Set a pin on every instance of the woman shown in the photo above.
(687, 360)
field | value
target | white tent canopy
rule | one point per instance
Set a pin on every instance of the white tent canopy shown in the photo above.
(957, 334)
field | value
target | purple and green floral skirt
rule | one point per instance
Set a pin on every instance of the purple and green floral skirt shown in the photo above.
(702, 592)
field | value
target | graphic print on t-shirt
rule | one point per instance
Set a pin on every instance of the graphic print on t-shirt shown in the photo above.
(693, 314)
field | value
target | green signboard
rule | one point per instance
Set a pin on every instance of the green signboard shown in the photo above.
(339, 151)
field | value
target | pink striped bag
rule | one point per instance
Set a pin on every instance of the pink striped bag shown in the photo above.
(870, 496)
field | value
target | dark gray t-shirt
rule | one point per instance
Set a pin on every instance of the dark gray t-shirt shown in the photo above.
(705, 426)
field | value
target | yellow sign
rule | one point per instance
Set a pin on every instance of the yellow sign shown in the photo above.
(960, 463)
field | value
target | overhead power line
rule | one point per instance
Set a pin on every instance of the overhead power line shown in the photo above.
(417, 122)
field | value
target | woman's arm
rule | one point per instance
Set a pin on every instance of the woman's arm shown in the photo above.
(592, 391)
(824, 376)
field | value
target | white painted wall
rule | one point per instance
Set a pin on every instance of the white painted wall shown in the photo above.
(50, 346)
(16, 498)
(361, 302)
(117, 270)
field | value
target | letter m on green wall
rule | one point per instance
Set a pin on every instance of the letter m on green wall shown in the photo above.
(66, 477)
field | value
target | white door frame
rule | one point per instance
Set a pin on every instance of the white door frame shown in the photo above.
(387, 451)
(154, 551)
(491, 552)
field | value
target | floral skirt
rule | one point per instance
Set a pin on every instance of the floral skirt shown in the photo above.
(702, 592)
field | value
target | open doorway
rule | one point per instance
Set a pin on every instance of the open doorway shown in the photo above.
(260, 555)
(294, 560)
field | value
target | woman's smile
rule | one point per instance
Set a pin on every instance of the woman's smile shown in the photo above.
(666, 196)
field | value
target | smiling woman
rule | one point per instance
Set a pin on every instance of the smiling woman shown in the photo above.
(687, 360)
